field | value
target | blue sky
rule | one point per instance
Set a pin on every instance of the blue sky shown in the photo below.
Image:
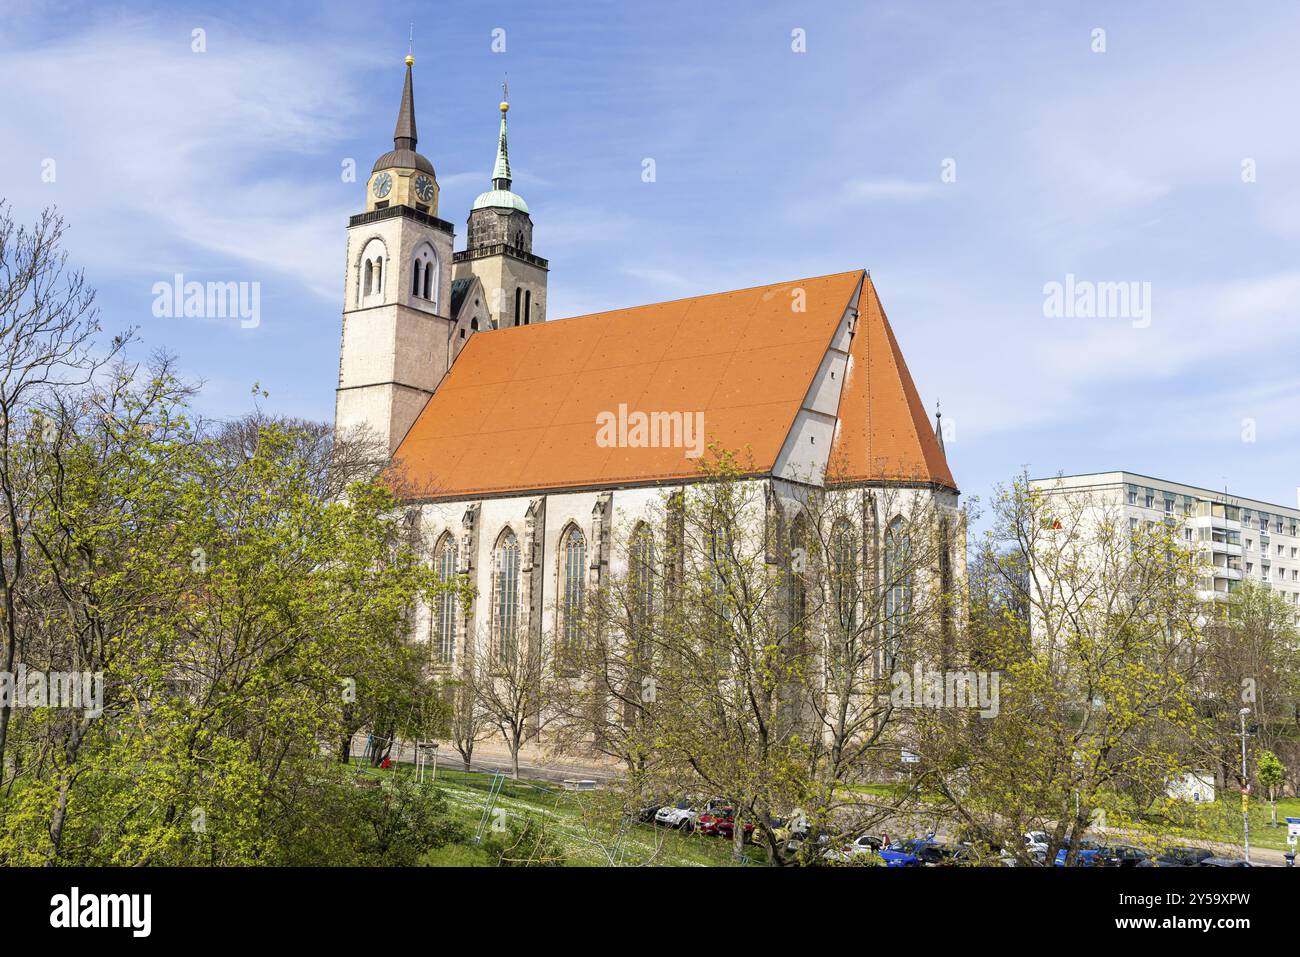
(1116, 166)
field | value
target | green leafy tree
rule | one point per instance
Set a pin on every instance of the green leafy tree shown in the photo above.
(240, 618)
(1092, 631)
(1271, 774)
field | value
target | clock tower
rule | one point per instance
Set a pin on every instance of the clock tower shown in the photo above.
(397, 316)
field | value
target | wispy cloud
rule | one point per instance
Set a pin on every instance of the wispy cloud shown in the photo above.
(165, 157)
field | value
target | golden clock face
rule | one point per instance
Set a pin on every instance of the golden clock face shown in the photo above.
(424, 188)
(382, 185)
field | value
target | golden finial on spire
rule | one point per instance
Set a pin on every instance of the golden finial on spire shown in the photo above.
(410, 47)
(505, 94)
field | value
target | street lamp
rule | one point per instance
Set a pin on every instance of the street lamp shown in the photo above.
(1245, 787)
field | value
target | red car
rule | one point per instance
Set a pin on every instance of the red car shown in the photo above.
(721, 822)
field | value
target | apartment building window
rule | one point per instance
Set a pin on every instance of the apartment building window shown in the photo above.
(1169, 506)
(1132, 497)
(1150, 499)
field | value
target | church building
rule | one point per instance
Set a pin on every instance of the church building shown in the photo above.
(530, 448)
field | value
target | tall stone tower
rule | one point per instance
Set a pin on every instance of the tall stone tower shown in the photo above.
(499, 250)
(397, 322)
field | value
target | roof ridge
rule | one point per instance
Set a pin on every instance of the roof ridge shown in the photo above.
(706, 295)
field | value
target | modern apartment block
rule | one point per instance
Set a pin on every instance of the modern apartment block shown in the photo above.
(1241, 539)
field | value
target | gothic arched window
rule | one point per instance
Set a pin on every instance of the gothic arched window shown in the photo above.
(444, 608)
(799, 550)
(415, 278)
(844, 573)
(505, 597)
(642, 562)
(898, 586)
(573, 584)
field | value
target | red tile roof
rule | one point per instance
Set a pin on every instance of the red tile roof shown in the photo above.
(518, 411)
(883, 431)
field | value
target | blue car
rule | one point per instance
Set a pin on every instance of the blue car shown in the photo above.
(912, 853)
(1089, 855)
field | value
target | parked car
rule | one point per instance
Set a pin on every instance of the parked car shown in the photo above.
(1088, 855)
(726, 827)
(646, 815)
(710, 814)
(855, 850)
(706, 822)
(911, 853)
(966, 854)
(810, 844)
(1179, 857)
(680, 816)
(1123, 855)
(790, 830)
(936, 855)
(1036, 844)
(1224, 862)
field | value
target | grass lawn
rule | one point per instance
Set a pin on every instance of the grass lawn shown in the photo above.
(1262, 833)
(467, 793)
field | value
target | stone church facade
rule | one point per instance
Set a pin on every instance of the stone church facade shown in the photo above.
(492, 414)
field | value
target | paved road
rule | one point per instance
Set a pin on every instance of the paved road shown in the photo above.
(449, 757)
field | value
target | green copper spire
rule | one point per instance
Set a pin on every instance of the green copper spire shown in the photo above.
(500, 196)
(501, 171)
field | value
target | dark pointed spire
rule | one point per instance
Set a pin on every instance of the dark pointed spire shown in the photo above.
(938, 427)
(404, 136)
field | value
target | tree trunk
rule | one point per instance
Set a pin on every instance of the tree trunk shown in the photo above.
(56, 823)
(11, 650)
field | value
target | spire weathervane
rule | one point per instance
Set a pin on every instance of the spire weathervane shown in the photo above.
(410, 46)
